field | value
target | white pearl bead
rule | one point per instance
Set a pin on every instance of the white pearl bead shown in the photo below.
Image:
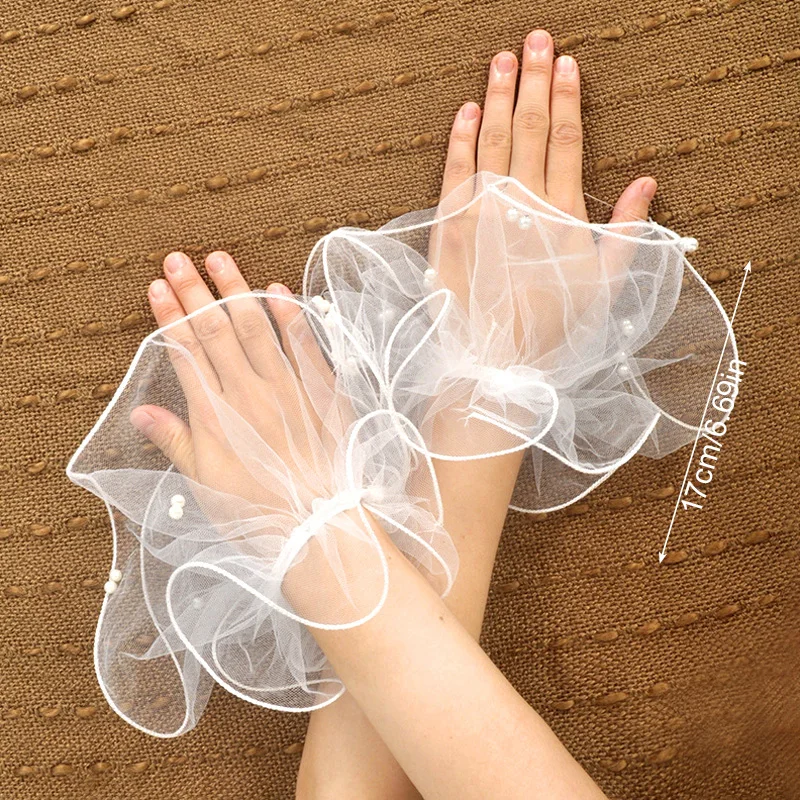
(115, 575)
(429, 274)
(690, 244)
(178, 500)
(110, 587)
(322, 305)
(627, 327)
(525, 222)
(175, 512)
(623, 369)
(512, 214)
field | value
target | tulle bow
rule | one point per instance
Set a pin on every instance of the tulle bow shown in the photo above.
(220, 577)
(491, 324)
(580, 343)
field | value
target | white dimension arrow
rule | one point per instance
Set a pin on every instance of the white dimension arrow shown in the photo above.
(663, 554)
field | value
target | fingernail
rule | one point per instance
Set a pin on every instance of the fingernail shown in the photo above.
(648, 188)
(159, 288)
(279, 288)
(215, 262)
(174, 262)
(142, 420)
(469, 111)
(506, 63)
(565, 65)
(538, 41)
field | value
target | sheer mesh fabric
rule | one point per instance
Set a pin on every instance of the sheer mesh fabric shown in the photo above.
(490, 324)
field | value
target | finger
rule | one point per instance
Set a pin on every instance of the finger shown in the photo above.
(213, 328)
(299, 342)
(460, 165)
(168, 433)
(634, 202)
(167, 309)
(564, 164)
(463, 143)
(250, 321)
(494, 140)
(532, 112)
(616, 253)
(226, 275)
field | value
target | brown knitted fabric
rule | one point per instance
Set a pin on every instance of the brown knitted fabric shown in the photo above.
(255, 127)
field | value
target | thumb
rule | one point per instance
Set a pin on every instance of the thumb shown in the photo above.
(616, 252)
(168, 433)
(634, 201)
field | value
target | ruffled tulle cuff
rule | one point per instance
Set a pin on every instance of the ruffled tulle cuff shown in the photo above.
(305, 430)
(496, 323)
(262, 523)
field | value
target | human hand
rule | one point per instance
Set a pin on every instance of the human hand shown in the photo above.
(536, 286)
(262, 424)
(265, 422)
(535, 136)
(235, 357)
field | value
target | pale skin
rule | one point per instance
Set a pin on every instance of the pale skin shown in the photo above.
(426, 712)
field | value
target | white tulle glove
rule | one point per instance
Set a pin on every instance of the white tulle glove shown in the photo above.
(226, 554)
(490, 324)
(495, 323)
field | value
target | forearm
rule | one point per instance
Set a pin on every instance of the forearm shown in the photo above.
(475, 495)
(343, 755)
(455, 725)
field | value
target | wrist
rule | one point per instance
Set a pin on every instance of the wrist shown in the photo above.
(340, 574)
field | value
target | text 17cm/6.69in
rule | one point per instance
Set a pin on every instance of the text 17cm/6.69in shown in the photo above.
(714, 430)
